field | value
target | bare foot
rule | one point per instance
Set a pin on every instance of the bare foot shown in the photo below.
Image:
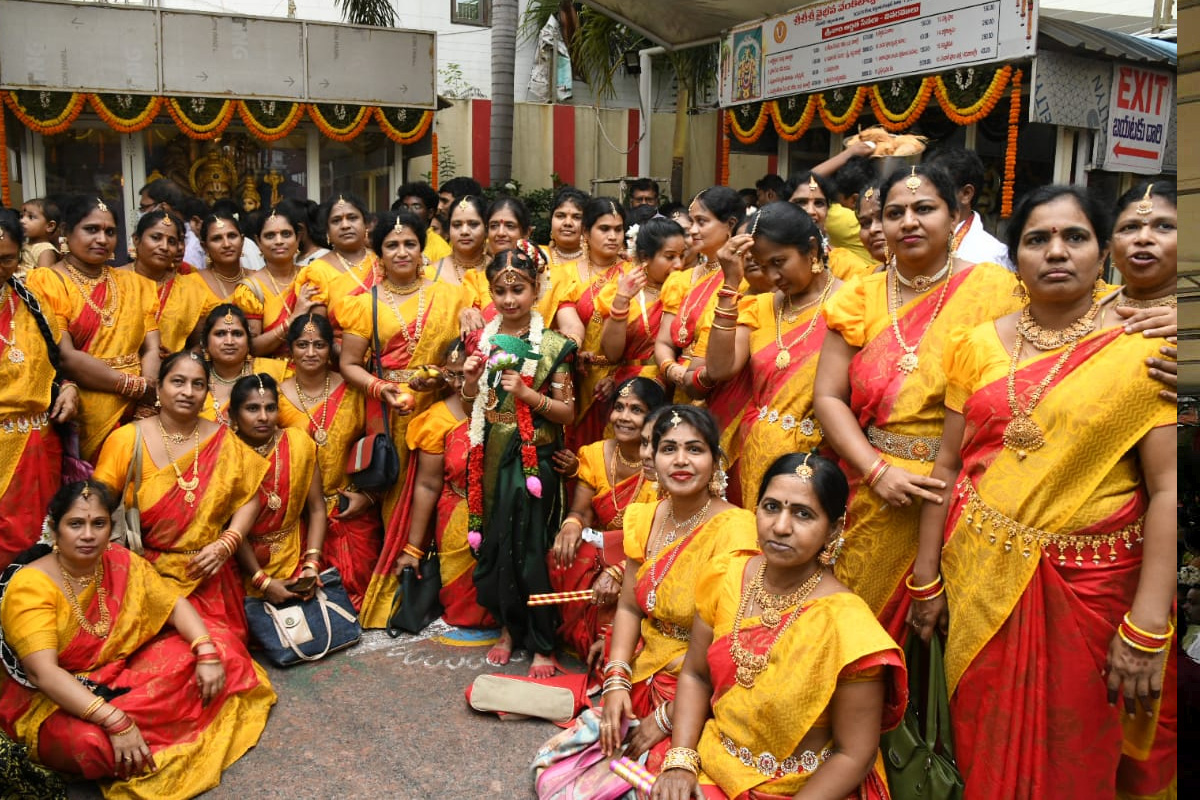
(542, 666)
(501, 651)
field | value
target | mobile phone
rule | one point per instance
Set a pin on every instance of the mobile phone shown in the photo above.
(343, 503)
(302, 585)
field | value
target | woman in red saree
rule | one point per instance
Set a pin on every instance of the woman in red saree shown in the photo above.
(292, 511)
(350, 268)
(198, 492)
(788, 679)
(115, 364)
(588, 551)
(317, 401)
(438, 492)
(1061, 665)
(271, 296)
(225, 342)
(111, 675)
(32, 400)
(667, 544)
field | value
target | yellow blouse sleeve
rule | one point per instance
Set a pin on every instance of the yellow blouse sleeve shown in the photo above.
(591, 466)
(52, 291)
(638, 519)
(112, 465)
(319, 274)
(604, 300)
(961, 367)
(290, 416)
(427, 431)
(710, 584)
(475, 289)
(354, 315)
(751, 309)
(245, 298)
(845, 312)
(674, 289)
(566, 281)
(29, 613)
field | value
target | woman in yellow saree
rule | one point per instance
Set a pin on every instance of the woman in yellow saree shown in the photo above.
(292, 511)
(788, 679)
(811, 195)
(880, 383)
(197, 492)
(316, 400)
(468, 245)
(417, 319)
(777, 339)
(110, 674)
(667, 544)
(1066, 500)
(351, 267)
(225, 340)
(33, 399)
(115, 364)
(271, 297)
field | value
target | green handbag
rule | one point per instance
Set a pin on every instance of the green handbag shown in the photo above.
(919, 758)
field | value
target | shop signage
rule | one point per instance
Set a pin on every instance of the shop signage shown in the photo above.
(1139, 115)
(846, 42)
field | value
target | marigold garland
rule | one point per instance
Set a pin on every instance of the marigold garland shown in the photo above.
(21, 103)
(433, 170)
(792, 133)
(842, 123)
(1010, 152)
(749, 135)
(975, 112)
(346, 132)
(264, 130)
(529, 460)
(138, 117)
(393, 130)
(200, 130)
(5, 197)
(906, 118)
(723, 162)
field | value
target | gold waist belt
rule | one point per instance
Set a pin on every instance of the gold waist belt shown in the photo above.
(399, 375)
(980, 515)
(148, 546)
(123, 362)
(672, 631)
(770, 765)
(901, 445)
(274, 539)
(25, 424)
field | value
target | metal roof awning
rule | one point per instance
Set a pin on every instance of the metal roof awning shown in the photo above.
(1074, 36)
(680, 25)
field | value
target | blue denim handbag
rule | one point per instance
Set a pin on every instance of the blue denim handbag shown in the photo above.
(305, 630)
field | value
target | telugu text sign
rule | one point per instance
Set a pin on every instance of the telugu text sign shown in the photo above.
(846, 42)
(219, 55)
(1139, 115)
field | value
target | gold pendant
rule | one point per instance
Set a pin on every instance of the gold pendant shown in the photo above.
(16, 355)
(771, 617)
(189, 497)
(783, 360)
(321, 437)
(273, 501)
(651, 600)
(745, 677)
(411, 347)
(1022, 434)
(908, 363)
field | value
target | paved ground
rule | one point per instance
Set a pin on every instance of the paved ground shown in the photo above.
(385, 719)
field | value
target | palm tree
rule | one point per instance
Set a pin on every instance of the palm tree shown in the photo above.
(367, 12)
(504, 57)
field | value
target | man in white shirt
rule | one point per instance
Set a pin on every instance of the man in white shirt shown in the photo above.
(975, 244)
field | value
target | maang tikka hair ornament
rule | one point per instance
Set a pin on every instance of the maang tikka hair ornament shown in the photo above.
(804, 472)
(913, 182)
(1146, 204)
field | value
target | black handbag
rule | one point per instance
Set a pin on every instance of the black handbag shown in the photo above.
(373, 465)
(416, 602)
(919, 758)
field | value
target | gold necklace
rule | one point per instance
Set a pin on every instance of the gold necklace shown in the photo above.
(461, 269)
(187, 486)
(784, 358)
(598, 282)
(321, 436)
(275, 286)
(618, 519)
(86, 285)
(691, 523)
(406, 289)
(15, 354)
(559, 257)
(1043, 339)
(923, 283)
(1022, 434)
(749, 665)
(98, 629)
(418, 324)
(1168, 300)
(636, 464)
(909, 362)
(230, 381)
(269, 450)
(236, 279)
(681, 336)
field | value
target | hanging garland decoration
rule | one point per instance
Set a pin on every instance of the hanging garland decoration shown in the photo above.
(47, 113)
(200, 118)
(339, 121)
(749, 121)
(5, 196)
(836, 118)
(793, 116)
(723, 145)
(433, 172)
(404, 125)
(1010, 152)
(270, 120)
(970, 98)
(910, 94)
(126, 113)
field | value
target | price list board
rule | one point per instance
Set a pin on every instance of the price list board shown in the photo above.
(848, 42)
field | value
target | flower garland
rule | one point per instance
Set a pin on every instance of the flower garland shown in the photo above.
(973, 113)
(350, 120)
(433, 170)
(126, 113)
(478, 427)
(749, 135)
(1010, 152)
(899, 121)
(792, 133)
(394, 121)
(205, 126)
(840, 123)
(723, 149)
(5, 198)
(275, 124)
(24, 106)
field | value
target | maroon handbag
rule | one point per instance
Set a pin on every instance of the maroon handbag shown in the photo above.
(373, 465)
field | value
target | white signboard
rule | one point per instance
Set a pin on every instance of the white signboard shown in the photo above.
(216, 55)
(846, 42)
(1139, 115)
(376, 66)
(78, 46)
(1070, 90)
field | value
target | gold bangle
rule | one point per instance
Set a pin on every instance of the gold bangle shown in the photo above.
(682, 758)
(91, 709)
(1162, 636)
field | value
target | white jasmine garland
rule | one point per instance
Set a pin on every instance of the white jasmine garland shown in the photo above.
(490, 377)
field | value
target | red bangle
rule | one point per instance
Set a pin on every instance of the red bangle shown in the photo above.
(117, 729)
(926, 592)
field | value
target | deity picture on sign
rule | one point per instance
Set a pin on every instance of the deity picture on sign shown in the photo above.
(747, 61)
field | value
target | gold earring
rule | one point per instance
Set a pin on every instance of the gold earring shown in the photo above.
(832, 551)
(157, 403)
(1020, 292)
(54, 547)
(62, 245)
(1101, 286)
(887, 254)
(818, 265)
